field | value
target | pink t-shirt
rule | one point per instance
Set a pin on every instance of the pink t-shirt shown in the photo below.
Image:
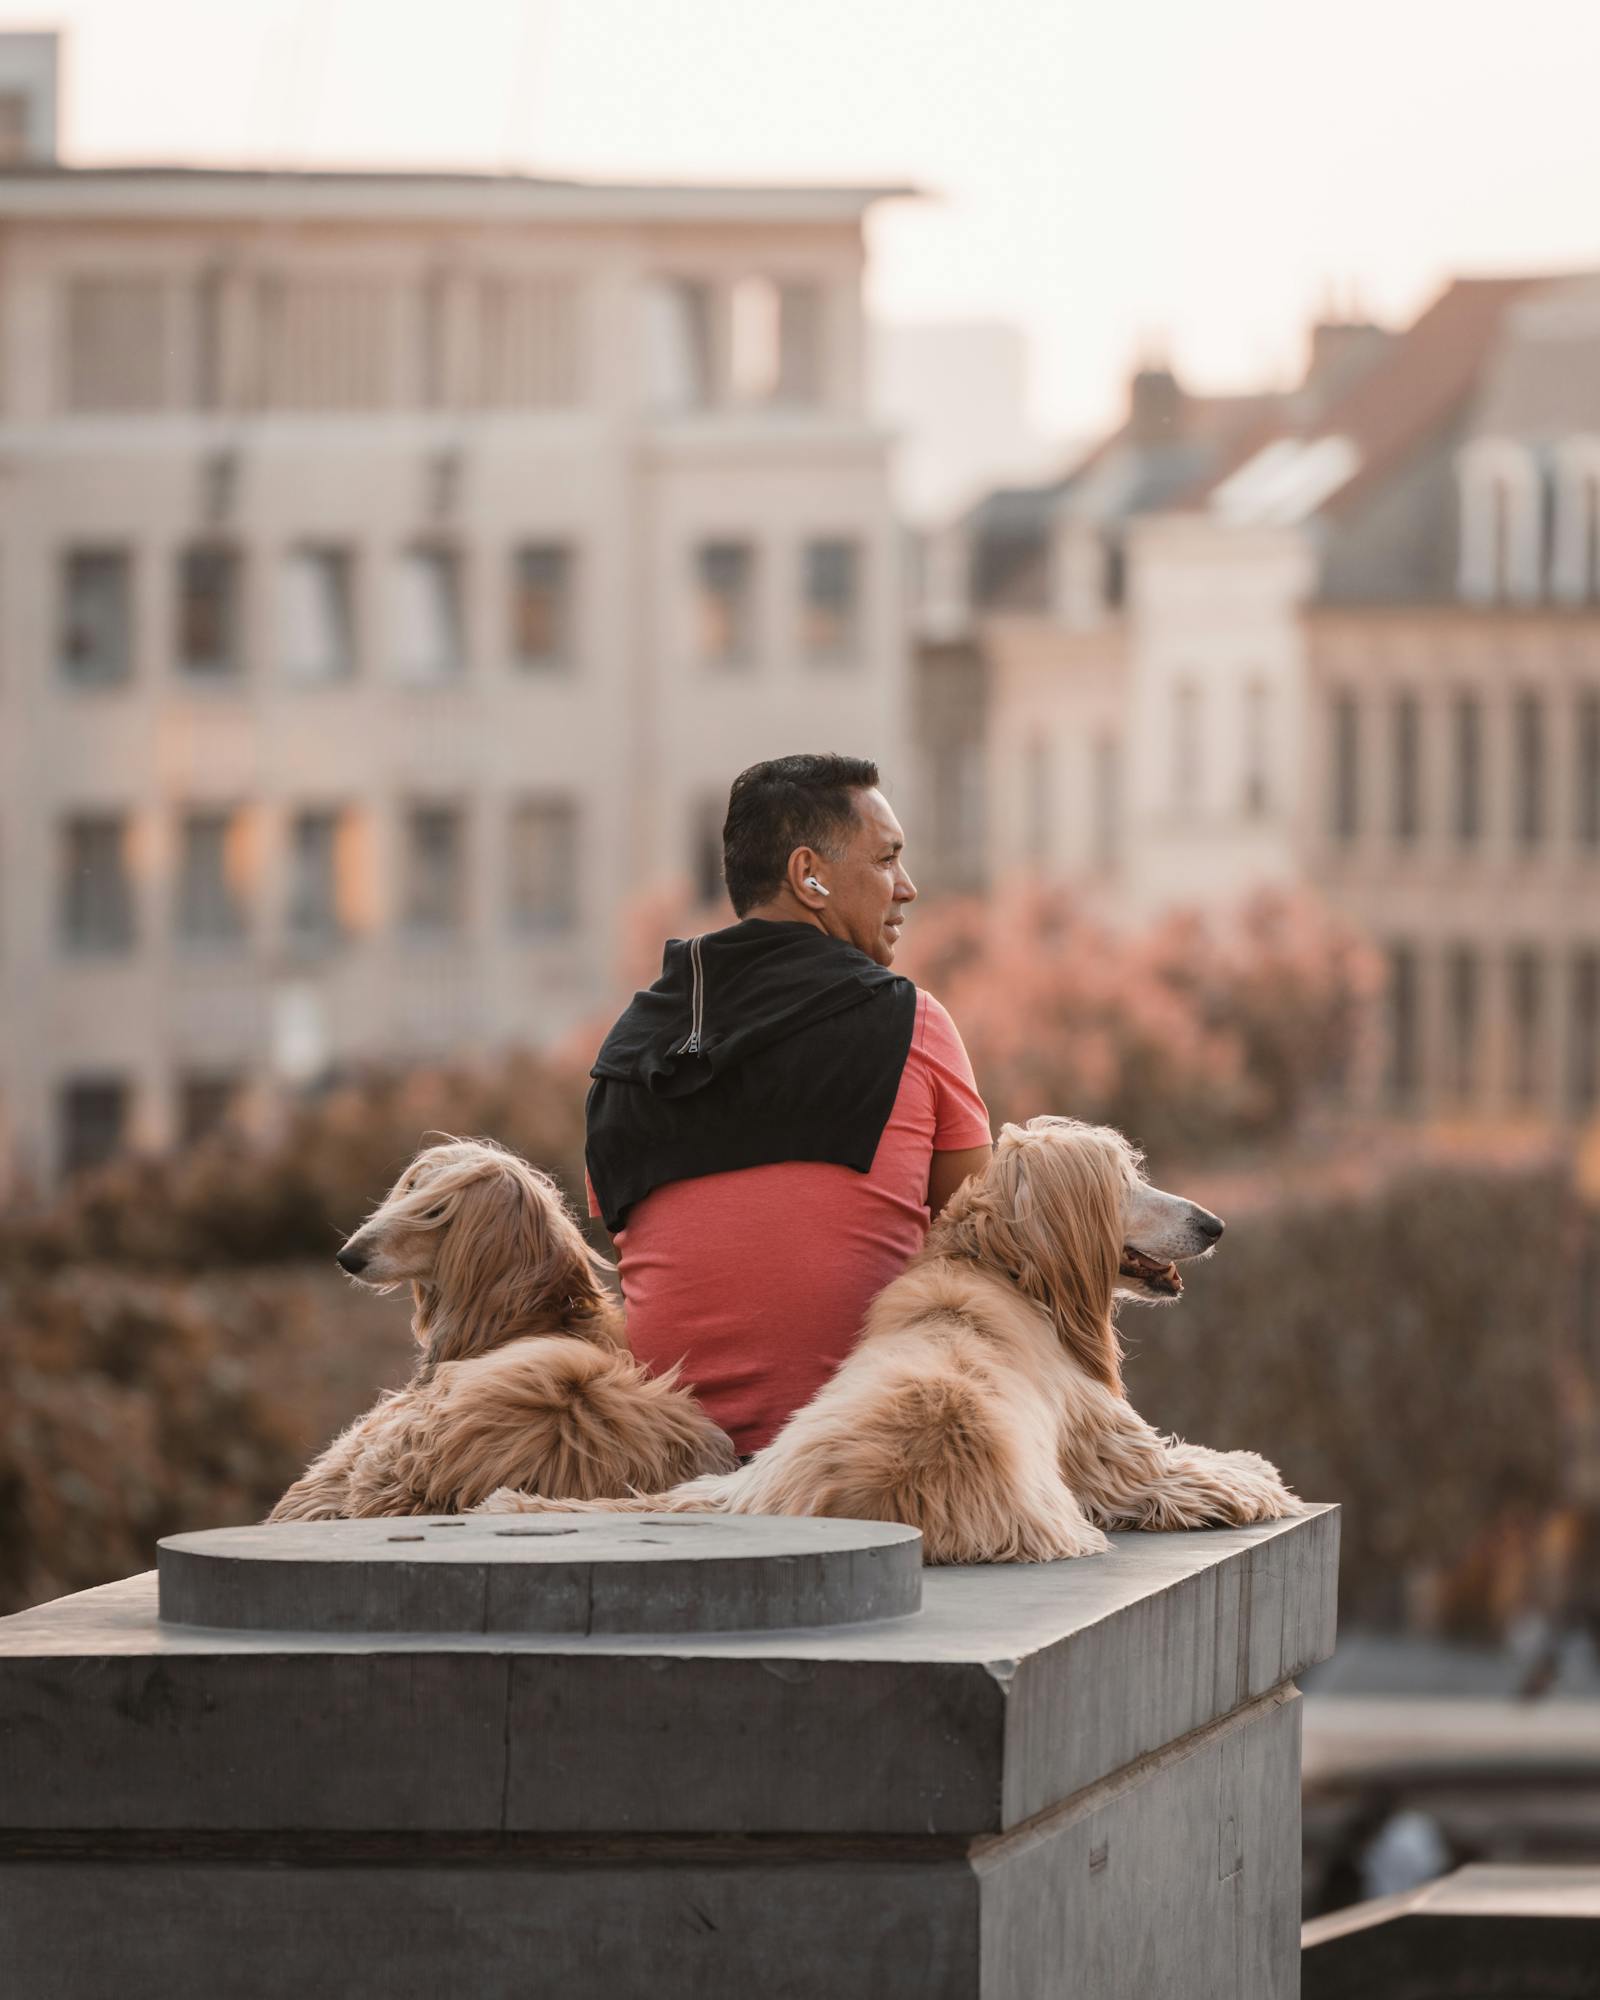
(758, 1280)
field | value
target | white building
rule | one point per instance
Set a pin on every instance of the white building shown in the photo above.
(1121, 663)
(394, 571)
(1353, 642)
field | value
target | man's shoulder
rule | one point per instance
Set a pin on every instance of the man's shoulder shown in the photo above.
(935, 1027)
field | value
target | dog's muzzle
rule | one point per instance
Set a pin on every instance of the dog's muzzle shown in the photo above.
(1150, 1271)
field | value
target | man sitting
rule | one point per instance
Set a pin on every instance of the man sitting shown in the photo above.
(773, 1124)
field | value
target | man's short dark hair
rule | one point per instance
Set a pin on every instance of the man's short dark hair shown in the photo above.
(785, 803)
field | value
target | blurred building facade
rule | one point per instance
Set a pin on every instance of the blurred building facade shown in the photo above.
(396, 569)
(1346, 636)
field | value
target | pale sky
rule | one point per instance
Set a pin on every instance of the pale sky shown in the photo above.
(1107, 172)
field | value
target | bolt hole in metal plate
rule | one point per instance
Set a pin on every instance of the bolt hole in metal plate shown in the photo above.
(561, 1573)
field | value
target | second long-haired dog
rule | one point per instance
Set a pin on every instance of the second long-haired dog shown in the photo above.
(984, 1402)
(524, 1376)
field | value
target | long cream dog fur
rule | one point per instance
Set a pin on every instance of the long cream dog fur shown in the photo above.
(524, 1376)
(984, 1402)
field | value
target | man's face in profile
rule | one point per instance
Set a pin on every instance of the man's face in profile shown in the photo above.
(869, 883)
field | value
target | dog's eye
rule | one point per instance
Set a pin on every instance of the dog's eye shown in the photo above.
(433, 1214)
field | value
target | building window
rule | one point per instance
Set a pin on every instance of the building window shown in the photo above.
(1468, 717)
(1526, 978)
(754, 350)
(725, 603)
(210, 903)
(435, 876)
(1587, 801)
(954, 811)
(678, 344)
(830, 628)
(1583, 1048)
(1257, 792)
(314, 918)
(96, 889)
(530, 348)
(16, 120)
(542, 605)
(93, 1122)
(1114, 573)
(1502, 522)
(207, 1101)
(428, 646)
(1404, 1039)
(1407, 724)
(1106, 801)
(1186, 746)
(117, 344)
(317, 614)
(1462, 1000)
(1527, 816)
(96, 622)
(775, 342)
(1036, 804)
(1346, 774)
(1575, 570)
(208, 611)
(800, 343)
(705, 848)
(327, 343)
(544, 865)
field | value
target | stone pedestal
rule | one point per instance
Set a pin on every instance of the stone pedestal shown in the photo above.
(1075, 1780)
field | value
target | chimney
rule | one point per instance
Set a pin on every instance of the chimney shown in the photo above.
(1341, 352)
(1155, 407)
(28, 98)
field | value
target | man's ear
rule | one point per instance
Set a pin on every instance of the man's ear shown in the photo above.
(804, 862)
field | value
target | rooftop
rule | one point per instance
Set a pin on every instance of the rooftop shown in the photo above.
(189, 192)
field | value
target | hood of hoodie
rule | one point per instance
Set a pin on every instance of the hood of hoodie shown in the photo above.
(730, 994)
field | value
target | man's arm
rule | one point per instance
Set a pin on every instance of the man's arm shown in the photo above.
(949, 1170)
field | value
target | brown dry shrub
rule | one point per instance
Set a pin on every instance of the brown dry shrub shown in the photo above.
(135, 1406)
(1190, 1035)
(232, 1200)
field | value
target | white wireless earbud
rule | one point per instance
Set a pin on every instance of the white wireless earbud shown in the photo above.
(813, 883)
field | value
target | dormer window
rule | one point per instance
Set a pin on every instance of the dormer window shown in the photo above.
(1502, 523)
(1575, 565)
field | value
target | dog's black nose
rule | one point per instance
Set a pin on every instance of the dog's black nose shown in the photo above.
(1210, 1225)
(352, 1261)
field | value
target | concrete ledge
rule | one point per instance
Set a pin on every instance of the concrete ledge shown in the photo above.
(1480, 1931)
(1180, 1874)
(1078, 1780)
(1012, 1689)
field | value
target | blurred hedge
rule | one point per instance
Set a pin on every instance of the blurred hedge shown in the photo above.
(300, 1190)
(1190, 1034)
(1403, 1352)
(132, 1406)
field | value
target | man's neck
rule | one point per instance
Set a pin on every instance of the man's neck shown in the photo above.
(785, 909)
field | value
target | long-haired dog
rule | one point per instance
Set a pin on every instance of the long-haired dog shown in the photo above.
(984, 1402)
(524, 1376)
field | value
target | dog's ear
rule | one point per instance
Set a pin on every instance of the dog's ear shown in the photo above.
(511, 1262)
(1046, 1212)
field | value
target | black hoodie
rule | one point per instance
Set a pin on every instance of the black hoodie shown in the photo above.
(759, 1043)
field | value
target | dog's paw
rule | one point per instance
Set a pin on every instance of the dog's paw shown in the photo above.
(1254, 1490)
(507, 1500)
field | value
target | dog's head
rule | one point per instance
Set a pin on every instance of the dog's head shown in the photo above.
(1065, 1210)
(487, 1245)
